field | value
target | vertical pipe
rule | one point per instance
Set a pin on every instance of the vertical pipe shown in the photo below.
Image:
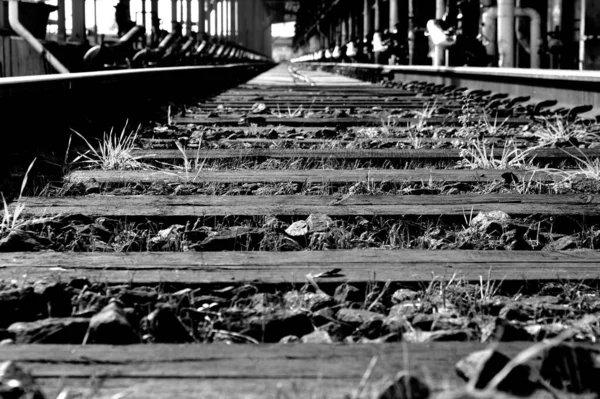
(377, 18)
(201, 16)
(209, 9)
(411, 32)
(188, 17)
(78, 33)
(506, 33)
(582, 29)
(222, 19)
(95, 22)
(367, 20)
(351, 24)
(154, 21)
(440, 9)
(439, 51)
(173, 15)
(394, 15)
(234, 21)
(143, 14)
(344, 32)
(242, 33)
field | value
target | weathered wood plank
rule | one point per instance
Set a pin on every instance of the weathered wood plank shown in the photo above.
(311, 176)
(357, 266)
(420, 153)
(202, 205)
(243, 371)
(364, 121)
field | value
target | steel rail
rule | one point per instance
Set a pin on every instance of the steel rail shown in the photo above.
(570, 88)
(147, 79)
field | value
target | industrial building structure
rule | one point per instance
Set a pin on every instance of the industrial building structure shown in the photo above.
(562, 34)
(41, 37)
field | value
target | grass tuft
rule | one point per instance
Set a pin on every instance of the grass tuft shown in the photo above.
(479, 155)
(114, 151)
(13, 221)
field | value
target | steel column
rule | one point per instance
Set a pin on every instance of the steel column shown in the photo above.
(345, 30)
(62, 29)
(222, 19)
(209, 9)
(377, 17)
(188, 18)
(234, 20)
(78, 33)
(144, 15)
(201, 16)
(506, 33)
(394, 15)
(367, 28)
(173, 15)
(241, 22)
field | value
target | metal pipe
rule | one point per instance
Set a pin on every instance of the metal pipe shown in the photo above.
(234, 20)
(489, 30)
(439, 51)
(582, 28)
(506, 33)
(394, 15)
(377, 17)
(209, 9)
(222, 18)
(143, 14)
(535, 34)
(173, 15)
(15, 24)
(366, 20)
(411, 32)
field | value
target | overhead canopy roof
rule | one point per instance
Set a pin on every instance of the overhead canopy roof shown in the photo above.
(282, 10)
(306, 14)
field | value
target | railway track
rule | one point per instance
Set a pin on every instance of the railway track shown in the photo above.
(328, 211)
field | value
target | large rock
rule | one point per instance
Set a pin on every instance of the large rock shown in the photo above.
(318, 223)
(493, 222)
(405, 386)
(485, 364)
(272, 327)
(56, 295)
(68, 330)
(164, 327)
(356, 317)
(404, 294)
(317, 337)
(312, 301)
(575, 369)
(20, 305)
(111, 326)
